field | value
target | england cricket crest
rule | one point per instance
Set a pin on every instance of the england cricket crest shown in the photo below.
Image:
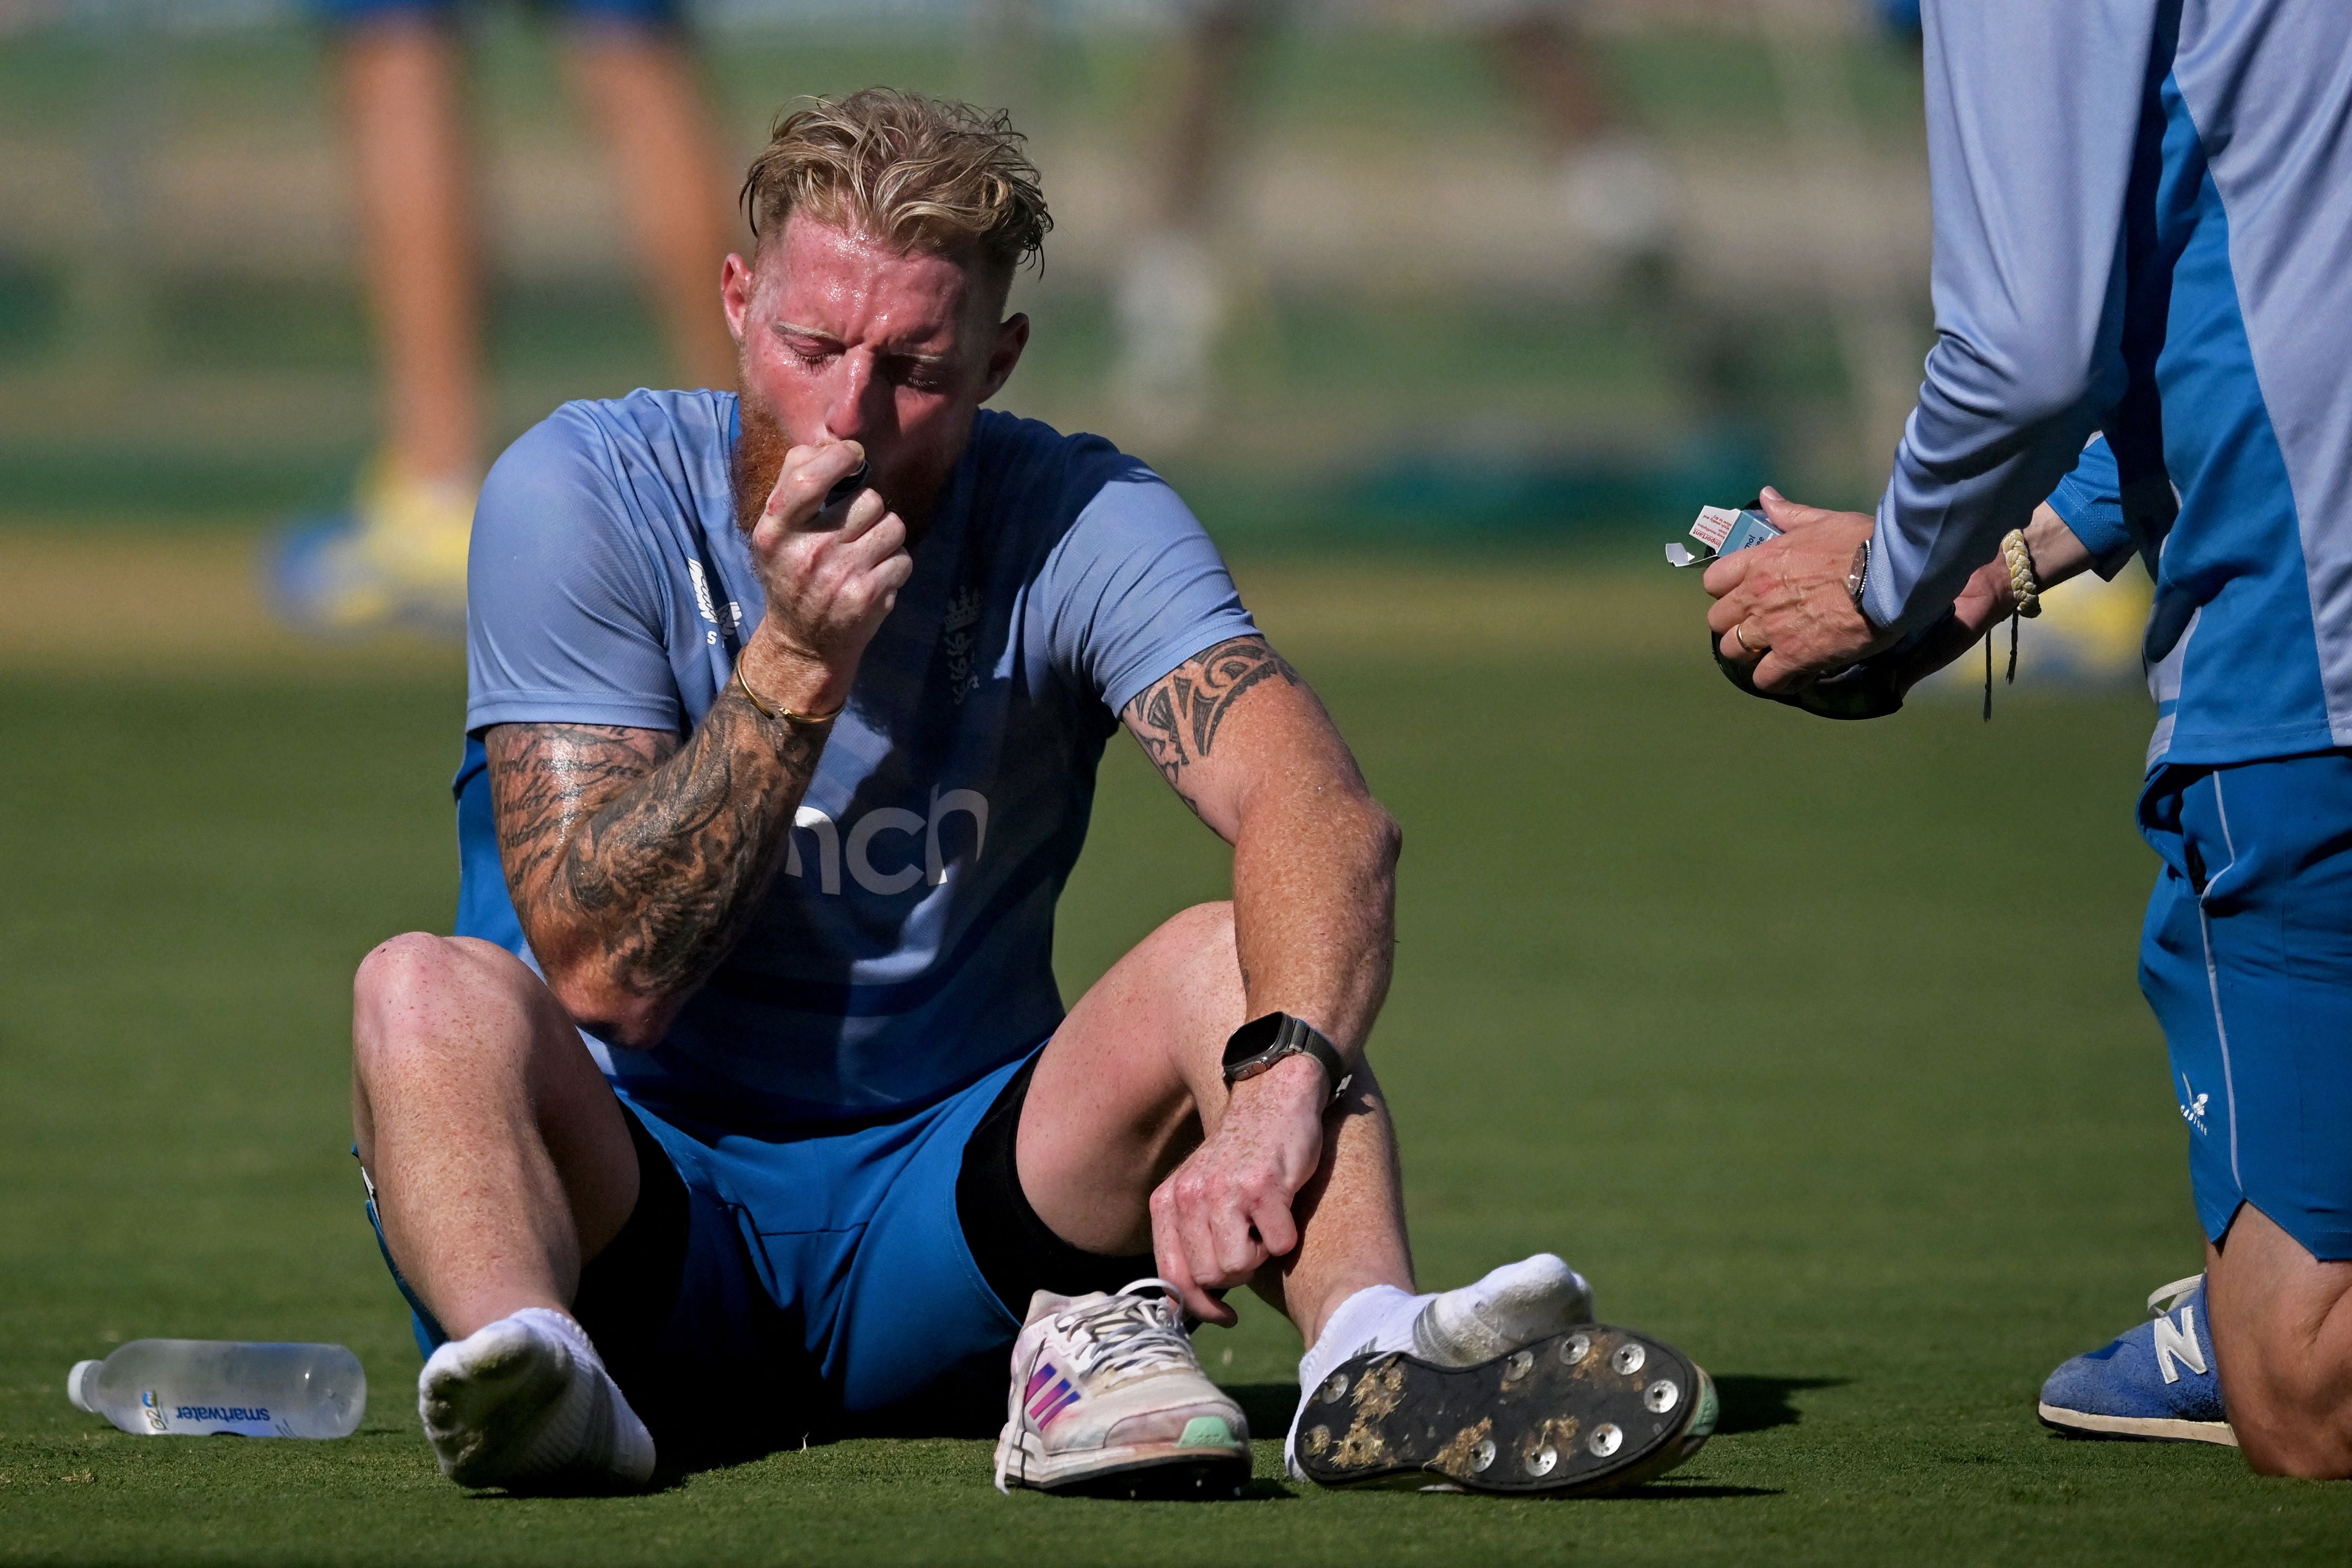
(959, 640)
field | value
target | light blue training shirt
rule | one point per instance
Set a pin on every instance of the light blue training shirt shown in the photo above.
(906, 948)
(2143, 223)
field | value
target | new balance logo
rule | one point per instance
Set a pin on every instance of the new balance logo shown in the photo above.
(2177, 1347)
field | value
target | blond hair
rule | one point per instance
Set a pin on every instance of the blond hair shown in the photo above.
(916, 173)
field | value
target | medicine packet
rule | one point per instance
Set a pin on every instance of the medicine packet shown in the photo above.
(1722, 530)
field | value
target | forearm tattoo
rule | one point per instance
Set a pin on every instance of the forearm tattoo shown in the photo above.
(641, 855)
(1177, 718)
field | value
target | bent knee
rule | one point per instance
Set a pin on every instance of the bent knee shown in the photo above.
(2294, 1440)
(2288, 1406)
(1205, 929)
(418, 961)
(408, 987)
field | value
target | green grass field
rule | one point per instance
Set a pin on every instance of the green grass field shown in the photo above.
(1817, 1047)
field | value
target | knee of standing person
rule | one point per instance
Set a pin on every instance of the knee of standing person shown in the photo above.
(2288, 1392)
(2288, 1432)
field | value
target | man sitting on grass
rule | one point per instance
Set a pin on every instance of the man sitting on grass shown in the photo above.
(745, 1104)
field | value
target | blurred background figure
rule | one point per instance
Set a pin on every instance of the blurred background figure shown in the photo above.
(397, 554)
(1174, 294)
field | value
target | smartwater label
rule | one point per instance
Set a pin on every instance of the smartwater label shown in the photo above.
(165, 1415)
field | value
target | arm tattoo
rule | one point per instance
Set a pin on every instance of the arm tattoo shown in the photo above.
(1177, 716)
(639, 856)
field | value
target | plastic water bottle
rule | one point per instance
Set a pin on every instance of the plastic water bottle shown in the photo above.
(199, 1387)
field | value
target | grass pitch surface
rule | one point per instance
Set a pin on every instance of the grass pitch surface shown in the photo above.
(1816, 1046)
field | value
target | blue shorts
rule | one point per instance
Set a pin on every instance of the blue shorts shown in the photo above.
(811, 1286)
(2247, 959)
(635, 13)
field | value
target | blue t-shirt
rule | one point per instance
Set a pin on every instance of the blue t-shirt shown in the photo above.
(906, 948)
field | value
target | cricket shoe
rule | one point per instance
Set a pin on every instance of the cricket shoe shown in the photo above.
(1504, 1386)
(526, 1404)
(1511, 1306)
(2157, 1383)
(397, 557)
(1109, 1400)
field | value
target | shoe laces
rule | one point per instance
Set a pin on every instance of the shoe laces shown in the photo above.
(1127, 1332)
(2164, 1299)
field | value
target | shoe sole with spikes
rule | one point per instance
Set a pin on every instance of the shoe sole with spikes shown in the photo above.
(1594, 1410)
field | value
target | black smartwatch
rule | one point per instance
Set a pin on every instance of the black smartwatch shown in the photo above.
(1261, 1043)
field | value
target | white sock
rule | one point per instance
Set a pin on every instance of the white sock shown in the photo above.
(1376, 1318)
(580, 1427)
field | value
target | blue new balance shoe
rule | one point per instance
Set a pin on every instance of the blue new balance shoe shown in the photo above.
(2156, 1383)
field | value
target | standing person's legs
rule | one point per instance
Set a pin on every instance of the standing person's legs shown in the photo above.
(2263, 1063)
(640, 87)
(1174, 295)
(400, 76)
(397, 552)
(1617, 188)
(2282, 1333)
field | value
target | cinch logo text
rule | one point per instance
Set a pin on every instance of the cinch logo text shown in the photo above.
(857, 849)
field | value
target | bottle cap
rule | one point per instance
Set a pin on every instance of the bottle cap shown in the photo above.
(81, 1385)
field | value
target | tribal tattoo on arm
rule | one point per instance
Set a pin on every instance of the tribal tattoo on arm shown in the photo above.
(1177, 718)
(635, 861)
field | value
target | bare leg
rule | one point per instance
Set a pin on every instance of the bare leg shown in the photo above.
(1173, 292)
(499, 1156)
(1191, 157)
(405, 130)
(1550, 63)
(2282, 1323)
(1134, 1080)
(640, 90)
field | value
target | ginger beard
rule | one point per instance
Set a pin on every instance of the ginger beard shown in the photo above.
(758, 460)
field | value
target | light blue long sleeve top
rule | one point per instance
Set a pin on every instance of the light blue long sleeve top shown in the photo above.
(2143, 224)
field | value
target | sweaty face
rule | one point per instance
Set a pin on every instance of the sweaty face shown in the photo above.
(844, 339)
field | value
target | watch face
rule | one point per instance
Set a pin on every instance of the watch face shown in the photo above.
(1250, 1040)
(1858, 574)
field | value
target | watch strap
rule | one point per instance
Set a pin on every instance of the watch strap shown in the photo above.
(1260, 1043)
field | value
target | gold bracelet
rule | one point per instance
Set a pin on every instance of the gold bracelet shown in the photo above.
(787, 714)
(2022, 583)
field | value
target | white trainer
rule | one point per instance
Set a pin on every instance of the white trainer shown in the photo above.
(525, 1403)
(1513, 1305)
(1109, 1399)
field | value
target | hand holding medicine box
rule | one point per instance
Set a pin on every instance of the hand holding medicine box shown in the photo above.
(1724, 530)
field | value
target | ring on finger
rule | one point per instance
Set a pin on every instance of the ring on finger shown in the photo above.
(1746, 647)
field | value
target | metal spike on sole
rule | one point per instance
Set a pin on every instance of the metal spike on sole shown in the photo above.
(1594, 1410)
